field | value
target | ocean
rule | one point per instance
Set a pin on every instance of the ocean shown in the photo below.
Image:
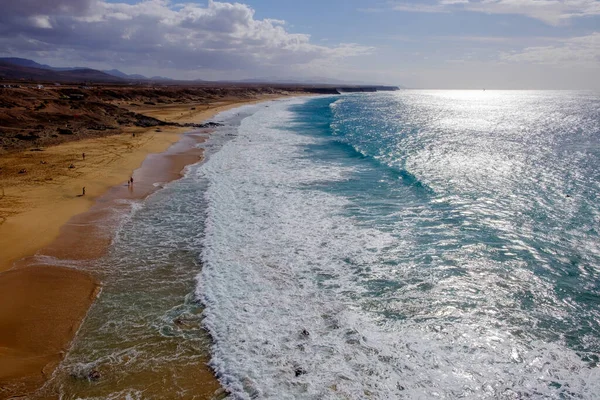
(393, 245)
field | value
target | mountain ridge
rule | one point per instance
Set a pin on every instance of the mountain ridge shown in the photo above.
(26, 68)
(13, 71)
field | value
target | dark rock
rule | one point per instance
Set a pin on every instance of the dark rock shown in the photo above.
(205, 125)
(23, 171)
(100, 127)
(30, 136)
(305, 333)
(94, 375)
(299, 371)
(211, 125)
(148, 122)
(64, 131)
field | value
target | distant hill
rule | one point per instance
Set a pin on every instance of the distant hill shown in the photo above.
(23, 62)
(119, 74)
(138, 77)
(29, 69)
(14, 71)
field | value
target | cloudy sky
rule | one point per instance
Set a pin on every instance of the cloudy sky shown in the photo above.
(504, 44)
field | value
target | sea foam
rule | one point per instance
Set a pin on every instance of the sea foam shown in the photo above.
(287, 282)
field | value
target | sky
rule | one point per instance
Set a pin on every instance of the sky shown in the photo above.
(437, 44)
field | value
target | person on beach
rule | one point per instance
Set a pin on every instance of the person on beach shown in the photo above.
(83, 191)
(83, 155)
(131, 181)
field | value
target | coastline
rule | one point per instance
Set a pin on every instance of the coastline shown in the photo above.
(43, 303)
(34, 206)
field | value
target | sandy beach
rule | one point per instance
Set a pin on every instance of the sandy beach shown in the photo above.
(44, 218)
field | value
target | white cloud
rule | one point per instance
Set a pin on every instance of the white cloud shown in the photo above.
(583, 51)
(423, 8)
(41, 21)
(220, 36)
(553, 12)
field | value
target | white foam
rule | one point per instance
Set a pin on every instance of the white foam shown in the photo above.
(280, 258)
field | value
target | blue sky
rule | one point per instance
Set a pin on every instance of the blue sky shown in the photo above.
(504, 44)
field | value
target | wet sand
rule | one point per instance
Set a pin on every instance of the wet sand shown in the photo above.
(45, 222)
(41, 307)
(36, 204)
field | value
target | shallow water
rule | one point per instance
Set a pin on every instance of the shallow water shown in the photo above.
(411, 244)
(143, 336)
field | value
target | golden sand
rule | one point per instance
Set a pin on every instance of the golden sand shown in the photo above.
(43, 212)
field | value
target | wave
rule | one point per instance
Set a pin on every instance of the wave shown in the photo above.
(314, 289)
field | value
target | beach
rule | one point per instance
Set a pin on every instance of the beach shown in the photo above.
(335, 246)
(46, 219)
(299, 200)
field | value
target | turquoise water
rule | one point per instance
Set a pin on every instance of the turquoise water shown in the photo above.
(434, 244)
(400, 245)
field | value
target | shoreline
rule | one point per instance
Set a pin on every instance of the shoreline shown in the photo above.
(34, 206)
(43, 301)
